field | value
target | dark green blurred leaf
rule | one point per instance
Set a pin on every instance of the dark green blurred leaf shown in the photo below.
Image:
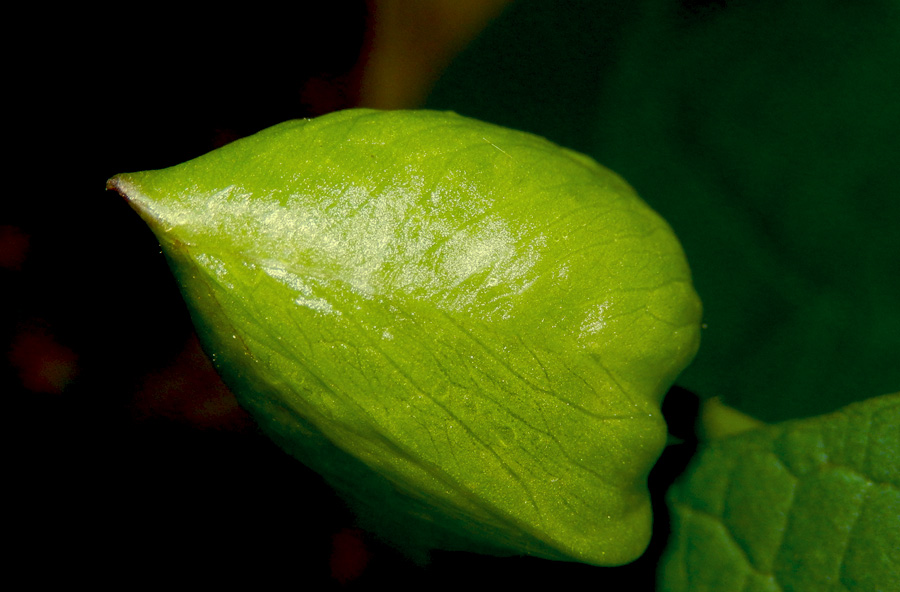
(768, 134)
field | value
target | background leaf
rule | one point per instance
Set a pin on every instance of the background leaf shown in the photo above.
(767, 134)
(811, 504)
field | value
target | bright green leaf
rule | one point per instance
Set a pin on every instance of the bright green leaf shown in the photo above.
(811, 504)
(466, 329)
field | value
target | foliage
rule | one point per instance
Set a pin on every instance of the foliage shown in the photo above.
(810, 504)
(768, 135)
(466, 329)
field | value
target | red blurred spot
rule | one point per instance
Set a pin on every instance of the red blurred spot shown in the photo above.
(349, 555)
(13, 247)
(191, 391)
(43, 365)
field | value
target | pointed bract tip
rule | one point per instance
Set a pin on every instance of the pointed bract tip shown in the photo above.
(112, 183)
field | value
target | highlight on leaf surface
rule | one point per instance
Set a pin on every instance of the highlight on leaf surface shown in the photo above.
(466, 329)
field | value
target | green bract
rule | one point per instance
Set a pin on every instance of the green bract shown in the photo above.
(466, 329)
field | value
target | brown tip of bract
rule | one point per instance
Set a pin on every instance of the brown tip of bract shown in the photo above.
(120, 185)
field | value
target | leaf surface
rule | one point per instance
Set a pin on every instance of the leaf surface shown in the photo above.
(811, 504)
(466, 329)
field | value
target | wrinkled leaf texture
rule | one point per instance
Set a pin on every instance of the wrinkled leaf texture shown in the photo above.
(810, 504)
